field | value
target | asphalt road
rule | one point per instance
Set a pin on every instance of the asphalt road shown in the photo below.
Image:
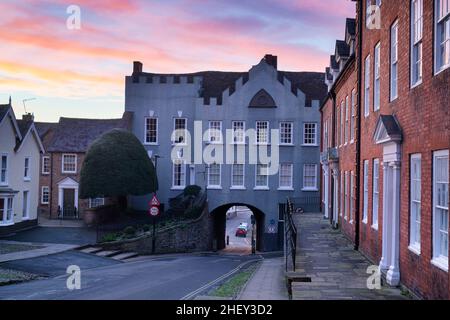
(79, 236)
(163, 278)
(239, 243)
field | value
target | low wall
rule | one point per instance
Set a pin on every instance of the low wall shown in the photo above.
(191, 236)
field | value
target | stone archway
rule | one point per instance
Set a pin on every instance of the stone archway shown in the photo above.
(219, 224)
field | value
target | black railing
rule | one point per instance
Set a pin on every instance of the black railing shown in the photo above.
(290, 235)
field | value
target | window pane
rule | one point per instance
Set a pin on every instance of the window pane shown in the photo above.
(309, 133)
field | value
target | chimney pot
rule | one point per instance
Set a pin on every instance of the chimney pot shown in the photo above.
(28, 117)
(137, 67)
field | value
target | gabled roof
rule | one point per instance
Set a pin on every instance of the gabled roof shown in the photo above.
(333, 64)
(26, 128)
(387, 130)
(342, 49)
(350, 27)
(75, 135)
(4, 108)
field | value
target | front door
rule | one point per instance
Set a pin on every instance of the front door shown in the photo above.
(68, 203)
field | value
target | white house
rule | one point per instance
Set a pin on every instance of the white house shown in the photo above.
(20, 152)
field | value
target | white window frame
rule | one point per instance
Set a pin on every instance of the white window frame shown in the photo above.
(147, 130)
(367, 86)
(290, 186)
(441, 25)
(257, 174)
(393, 76)
(342, 195)
(238, 132)
(27, 169)
(26, 205)
(345, 193)
(416, 42)
(366, 191)
(215, 135)
(376, 77)
(310, 188)
(288, 132)
(265, 141)
(175, 135)
(45, 189)
(352, 118)
(237, 186)
(8, 210)
(5, 181)
(215, 186)
(347, 116)
(439, 260)
(352, 195)
(309, 144)
(101, 201)
(64, 155)
(375, 192)
(182, 176)
(415, 202)
(43, 169)
(343, 142)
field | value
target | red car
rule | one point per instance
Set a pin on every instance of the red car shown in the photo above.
(241, 231)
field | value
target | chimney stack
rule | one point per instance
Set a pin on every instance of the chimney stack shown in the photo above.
(137, 67)
(271, 60)
(28, 117)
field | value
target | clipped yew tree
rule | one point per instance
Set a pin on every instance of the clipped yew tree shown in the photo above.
(117, 165)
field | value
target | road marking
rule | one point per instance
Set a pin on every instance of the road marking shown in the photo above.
(210, 284)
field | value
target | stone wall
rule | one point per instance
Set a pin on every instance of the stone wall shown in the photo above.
(190, 236)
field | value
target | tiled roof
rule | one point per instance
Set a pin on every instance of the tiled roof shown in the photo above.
(75, 135)
(43, 127)
(350, 26)
(333, 64)
(3, 110)
(310, 83)
(342, 48)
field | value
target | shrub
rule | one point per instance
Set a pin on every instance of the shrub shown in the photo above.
(109, 237)
(129, 231)
(192, 190)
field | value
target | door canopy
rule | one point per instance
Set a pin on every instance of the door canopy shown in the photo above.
(387, 130)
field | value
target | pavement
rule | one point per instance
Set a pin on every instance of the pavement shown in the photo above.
(46, 222)
(328, 268)
(59, 235)
(152, 278)
(43, 249)
(267, 283)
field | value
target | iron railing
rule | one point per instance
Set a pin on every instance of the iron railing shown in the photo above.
(290, 235)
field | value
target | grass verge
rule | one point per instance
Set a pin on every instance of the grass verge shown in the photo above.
(232, 287)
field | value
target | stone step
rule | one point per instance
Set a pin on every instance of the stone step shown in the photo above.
(108, 253)
(91, 250)
(124, 255)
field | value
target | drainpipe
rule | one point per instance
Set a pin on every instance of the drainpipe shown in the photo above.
(51, 186)
(358, 127)
(333, 143)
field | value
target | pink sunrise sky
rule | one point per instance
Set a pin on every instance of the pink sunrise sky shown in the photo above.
(80, 73)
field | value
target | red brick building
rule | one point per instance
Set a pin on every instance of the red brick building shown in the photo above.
(402, 139)
(66, 143)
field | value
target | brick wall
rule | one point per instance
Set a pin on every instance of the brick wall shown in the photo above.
(423, 115)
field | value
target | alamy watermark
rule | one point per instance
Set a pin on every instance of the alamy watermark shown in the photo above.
(374, 280)
(73, 21)
(73, 281)
(263, 149)
(373, 17)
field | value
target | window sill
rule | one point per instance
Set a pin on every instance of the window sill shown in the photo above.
(287, 145)
(177, 188)
(151, 144)
(214, 187)
(214, 142)
(45, 173)
(6, 224)
(442, 69)
(179, 144)
(27, 179)
(351, 222)
(364, 221)
(25, 218)
(238, 143)
(238, 188)
(310, 145)
(441, 263)
(414, 249)
(393, 98)
(69, 172)
(261, 188)
(310, 189)
(285, 189)
(415, 85)
(44, 203)
(375, 227)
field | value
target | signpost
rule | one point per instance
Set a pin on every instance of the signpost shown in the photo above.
(154, 212)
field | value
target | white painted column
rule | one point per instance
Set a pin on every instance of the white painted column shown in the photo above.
(384, 266)
(326, 191)
(335, 198)
(393, 275)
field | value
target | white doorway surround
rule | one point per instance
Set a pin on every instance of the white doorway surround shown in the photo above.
(388, 134)
(326, 190)
(67, 183)
(335, 221)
